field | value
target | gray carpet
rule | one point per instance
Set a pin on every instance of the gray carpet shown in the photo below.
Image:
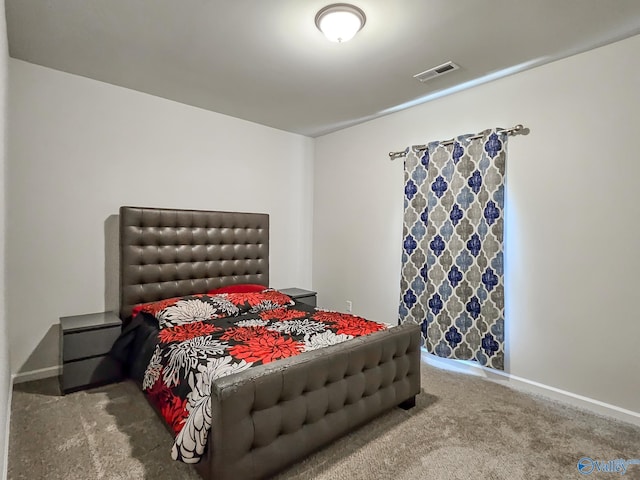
(463, 427)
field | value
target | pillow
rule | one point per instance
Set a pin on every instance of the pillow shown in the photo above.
(202, 307)
(239, 288)
(253, 302)
(188, 309)
(152, 307)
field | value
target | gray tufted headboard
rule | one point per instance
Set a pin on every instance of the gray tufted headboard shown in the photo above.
(167, 253)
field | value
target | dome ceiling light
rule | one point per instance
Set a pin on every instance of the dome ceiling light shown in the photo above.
(340, 21)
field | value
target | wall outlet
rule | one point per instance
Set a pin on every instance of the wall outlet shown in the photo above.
(349, 306)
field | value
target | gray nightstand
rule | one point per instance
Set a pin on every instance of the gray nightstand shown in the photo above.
(300, 295)
(85, 341)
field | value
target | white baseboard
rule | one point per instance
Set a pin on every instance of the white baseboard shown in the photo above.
(37, 374)
(529, 386)
(7, 430)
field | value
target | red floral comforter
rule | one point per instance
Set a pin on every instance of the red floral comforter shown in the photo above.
(205, 337)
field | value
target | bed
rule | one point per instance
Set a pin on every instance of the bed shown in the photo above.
(266, 417)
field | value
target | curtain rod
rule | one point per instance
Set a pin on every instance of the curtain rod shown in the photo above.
(517, 130)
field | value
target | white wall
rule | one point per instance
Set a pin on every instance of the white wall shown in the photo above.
(572, 227)
(79, 149)
(5, 377)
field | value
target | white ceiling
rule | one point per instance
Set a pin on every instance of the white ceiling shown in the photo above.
(265, 61)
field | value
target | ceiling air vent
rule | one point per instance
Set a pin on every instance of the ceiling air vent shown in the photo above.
(436, 71)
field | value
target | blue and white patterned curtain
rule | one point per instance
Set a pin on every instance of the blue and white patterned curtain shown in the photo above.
(452, 259)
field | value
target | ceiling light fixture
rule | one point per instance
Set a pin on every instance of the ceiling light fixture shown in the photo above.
(340, 21)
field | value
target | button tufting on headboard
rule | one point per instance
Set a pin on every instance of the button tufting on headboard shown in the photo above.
(166, 253)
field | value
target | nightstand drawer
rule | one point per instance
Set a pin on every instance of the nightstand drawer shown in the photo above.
(89, 343)
(310, 300)
(92, 371)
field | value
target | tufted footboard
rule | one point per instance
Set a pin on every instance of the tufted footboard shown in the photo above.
(267, 417)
